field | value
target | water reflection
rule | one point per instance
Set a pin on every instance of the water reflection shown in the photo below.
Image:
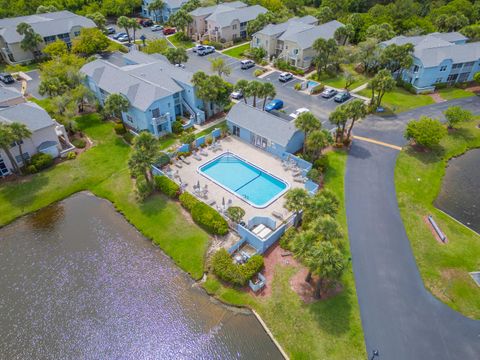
(460, 193)
(94, 288)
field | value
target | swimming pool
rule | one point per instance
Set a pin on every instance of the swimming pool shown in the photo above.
(245, 180)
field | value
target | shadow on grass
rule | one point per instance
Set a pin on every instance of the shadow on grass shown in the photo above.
(23, 193)
(426, 156)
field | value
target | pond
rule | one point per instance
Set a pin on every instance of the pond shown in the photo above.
(78, 281)
(460, 193)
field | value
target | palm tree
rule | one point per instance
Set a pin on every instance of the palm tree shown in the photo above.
(296, 200)
(301, 245)
(327, 226)
(307, 122)
(339, 117)
(145, 151)
(30, 40)
(254, 89)
(156, 6)
(268, 90)
(20, 131)
(181, 19)
(81, 95)
(242, 85)
(134, 25)
(316, 141)
(124, 22)
(115, 105)
(6, 140)
(219, 66)
(356, 110)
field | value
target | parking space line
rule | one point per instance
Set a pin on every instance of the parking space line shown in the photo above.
(381, 143)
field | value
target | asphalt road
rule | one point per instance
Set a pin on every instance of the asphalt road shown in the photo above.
(400, 318)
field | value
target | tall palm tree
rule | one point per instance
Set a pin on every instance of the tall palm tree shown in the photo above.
(327, 226)
(134, 25)
(124, 22)
(145, 151)
(219, 66)
(254, 89)
(181, 19)
(339, 117)
(296, 200)
(356, 110)
(307, 122)
(242, 85)
(6, 140)
(268, 90)
(316, 141)
(156, 6)
(20, 131)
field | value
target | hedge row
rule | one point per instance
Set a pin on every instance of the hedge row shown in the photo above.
(235, 274)
(39, 162)
(167, 186)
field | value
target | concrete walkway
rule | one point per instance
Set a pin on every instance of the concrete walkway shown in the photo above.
(400, 318)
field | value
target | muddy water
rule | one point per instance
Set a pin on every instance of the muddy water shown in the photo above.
(460, 193)
(78, 282)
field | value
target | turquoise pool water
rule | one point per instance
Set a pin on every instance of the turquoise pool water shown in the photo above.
(312, 83)
(244, 179)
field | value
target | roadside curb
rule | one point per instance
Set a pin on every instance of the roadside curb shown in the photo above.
(267, 330)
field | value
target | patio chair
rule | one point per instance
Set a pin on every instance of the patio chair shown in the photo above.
(203, 152)
(197, 157)
(211, 202)
(185, 161)
(258, 229)
(277, 214)
(177, 164)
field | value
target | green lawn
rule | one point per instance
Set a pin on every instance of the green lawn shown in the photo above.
(454, 93)
(103, 171)
(180, 43)
(237, 52)
(400, 100)
(327, 329)
(211, 128)
(444, 268)
(338, 81)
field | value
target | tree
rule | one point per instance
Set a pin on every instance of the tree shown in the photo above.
(426, 132)
(356, 110)
(325, 50)
(324, 14)
(448, 23)
(115, 105)
(181, 19)
(260, 22)
(6, 140)
(235, 213)
(191, 5)
(368, 54)
(20, 132)
(267, 91)
(296, 200)
(301, 246)
(42, 9)
(380, 32)
(327, 227)
(176, 55)
(339, 117)
(472, 32)
(60, 74)
(156, 6)
(327, 261)
(316, 141)
(81, 95)
(307, 122)
(30, 40)
(349, 79)
(145, 151)
(134, 25)
(255, 89)
(90, 41)
(396, 58)
(211, 89)
(124, 22)
(242, 85)
(456, 115)
(219, 66)
(379, 85)
(99, 20)
(56, 49)
(344, 33)
(154, 46)
(257, 53)
(323, 203)
(476, 77)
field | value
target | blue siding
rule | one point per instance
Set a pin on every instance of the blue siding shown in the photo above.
(161, 16)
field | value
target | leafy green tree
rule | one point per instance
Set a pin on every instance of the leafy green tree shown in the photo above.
(472, 31)
(20, 132)
(255, 89)
(368, 53)
(219, 66)
(30, 40)
(154, 46)
(235, 213)
(242, 85)
(476, 77)
(356, 110)
(325, 51)
(397, 57)
(296, 200)
(57, 48)
(301, 246)
(156, 6)
(324, 202)
(176, 55)
(81, 95)
(307, 122)
(99, 19)
(212, 90)
(145, 151)
(426, 132)
(344, 33)
(349, 79)
(60, 74)
(448, 23)
(181, 19)
(456, 115)
(257, 54)
(316, 141)
(339, 117)
(324, 14)
(191, 5)
(90, 41)
(379, 85)
(267, 91)
(43, 9)
(115, 105)
(124, 22)
(6, 140)
(380, 32)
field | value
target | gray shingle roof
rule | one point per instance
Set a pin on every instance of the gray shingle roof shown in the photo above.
(435, 39)
(305, 35)
(225, 15)
(207, 10)
(7, 94)
(303, 23)
(29, 113)
(173, 4)
(48, 24)
(142, 84)
(262, 123)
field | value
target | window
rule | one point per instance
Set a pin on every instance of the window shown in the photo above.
(156, 112)
(76, 33)
(416, 68)
(243, 23)
(295, 51)
(257, 40)
(234, 36)
(3, 167)
(469, 64)
(49, 39)
(234, 26)
(452, 77)
(129, 118)
(236, 130)
(463, 77)
(443, 68)
(19, 158)
(438, 80)
(456, 66)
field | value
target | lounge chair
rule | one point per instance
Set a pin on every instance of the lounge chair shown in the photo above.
(211, 202)
(197, 157)
(258, 229)
(178, 165)
(203, 152)
(185, 161)
(263, 234)
(277, 214)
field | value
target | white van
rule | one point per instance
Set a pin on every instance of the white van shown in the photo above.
(246, 64)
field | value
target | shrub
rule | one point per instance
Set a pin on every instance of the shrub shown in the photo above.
(71, 155)
(143, 187)
(258, 72)
(177, 127)
(287, 239)
(162, 159)
(317, 89)
(297, 86)
(235, 213)
(313, 175)
(128, 137)
(167, 186)
(216, 45)
(119, 129)
(407, 86)
(79, 143)
(228, 106)
(31, 169)
(181, 36)
(209, 219)
(188, 201)
(461, 85)
(41, 161)
(441, 85)
(426, 131)
(321, 164)
(235, 274)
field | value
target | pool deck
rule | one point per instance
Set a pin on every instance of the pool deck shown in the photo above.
(266, 161)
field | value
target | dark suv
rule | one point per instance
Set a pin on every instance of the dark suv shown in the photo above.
(7, 78)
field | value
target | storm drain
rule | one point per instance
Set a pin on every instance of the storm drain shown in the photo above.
(476, 277)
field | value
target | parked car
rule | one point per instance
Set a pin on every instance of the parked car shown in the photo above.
(120, 34)
(110, 30)
(342, 97)
(328, 93)
(146, 23)
(298, 112)
(206, 50)
(7, 78)
(285, 76)
(156, 28)
(275, 104)
(180, 66)
(198, 47)
(123, 38)
(246, 64)
(237, 95)
(169, 31)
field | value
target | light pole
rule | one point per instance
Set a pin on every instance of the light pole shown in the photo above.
(374, 354)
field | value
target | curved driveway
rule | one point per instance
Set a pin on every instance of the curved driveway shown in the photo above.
(400, 318)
